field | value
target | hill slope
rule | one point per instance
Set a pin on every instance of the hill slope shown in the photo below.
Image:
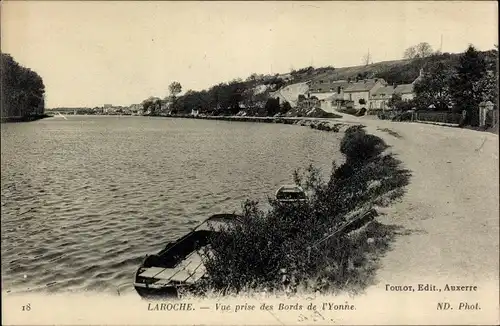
(394, 72)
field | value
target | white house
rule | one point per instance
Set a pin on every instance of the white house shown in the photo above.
(406, 91)
(361, 91)
(381, 97)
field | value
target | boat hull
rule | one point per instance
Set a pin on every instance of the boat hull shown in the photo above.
(157, 293)
(179, 268)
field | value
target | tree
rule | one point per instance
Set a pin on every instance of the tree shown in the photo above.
(466, 84)
(433, 88)
(410, 53)
(152, 105)
(22, 89)
(424, 50)
(362, 101)
(397, 103)
(272, 106)
(285, 107)
(362, 75)
(252, 78)
(421, 50)
(487, 87)
(254, 100)
(174, 88)
(367, 59)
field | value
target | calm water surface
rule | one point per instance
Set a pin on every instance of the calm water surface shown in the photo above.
(84, 199)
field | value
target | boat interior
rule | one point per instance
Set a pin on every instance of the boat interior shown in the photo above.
(179, 262)
(175, 252)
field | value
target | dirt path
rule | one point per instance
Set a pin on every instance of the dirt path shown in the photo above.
(450, 213)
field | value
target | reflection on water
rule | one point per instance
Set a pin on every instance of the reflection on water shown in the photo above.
(84, 199)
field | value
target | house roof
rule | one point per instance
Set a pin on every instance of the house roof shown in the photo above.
(318, 87)
(404, 89)
(384, 91)
(363, 85)
(333, 97)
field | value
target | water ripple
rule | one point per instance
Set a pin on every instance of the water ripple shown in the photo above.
(84, 199)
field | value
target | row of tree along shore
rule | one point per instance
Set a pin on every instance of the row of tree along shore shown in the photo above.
(23, 92)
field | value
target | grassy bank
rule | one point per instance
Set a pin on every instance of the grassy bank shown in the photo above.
(297, 248)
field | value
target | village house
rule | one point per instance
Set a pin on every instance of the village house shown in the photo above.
(360, 92)
(406, 91)
(323, 88)
(330, 93)
(382, 95)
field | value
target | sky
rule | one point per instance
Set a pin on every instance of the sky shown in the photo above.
(122, 52)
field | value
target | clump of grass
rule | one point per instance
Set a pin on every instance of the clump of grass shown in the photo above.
(290, 247)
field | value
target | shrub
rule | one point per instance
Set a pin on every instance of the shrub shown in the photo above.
(285, 107)
(290, 246)
(349, 110)
(404, 116)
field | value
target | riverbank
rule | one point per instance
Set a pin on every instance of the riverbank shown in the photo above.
(325, 124)
(24, 118)
(448, 219)
(450, 212)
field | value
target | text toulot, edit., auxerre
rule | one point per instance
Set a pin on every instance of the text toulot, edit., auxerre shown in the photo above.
(430, 288)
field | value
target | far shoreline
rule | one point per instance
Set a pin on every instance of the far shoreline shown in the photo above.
(28, 118)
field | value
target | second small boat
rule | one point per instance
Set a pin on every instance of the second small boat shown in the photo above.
(290, 194)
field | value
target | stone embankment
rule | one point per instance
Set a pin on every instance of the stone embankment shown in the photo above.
(326, 124)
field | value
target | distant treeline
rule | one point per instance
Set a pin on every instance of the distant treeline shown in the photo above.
(22, 90)
(226, 98)
(223, 98)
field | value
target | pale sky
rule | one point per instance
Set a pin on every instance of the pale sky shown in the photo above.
(96, 53)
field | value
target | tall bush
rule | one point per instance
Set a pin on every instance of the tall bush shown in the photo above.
(464, 84)
(290, 246)
(433, 89)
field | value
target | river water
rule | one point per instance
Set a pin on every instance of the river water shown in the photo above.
(84, 199)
